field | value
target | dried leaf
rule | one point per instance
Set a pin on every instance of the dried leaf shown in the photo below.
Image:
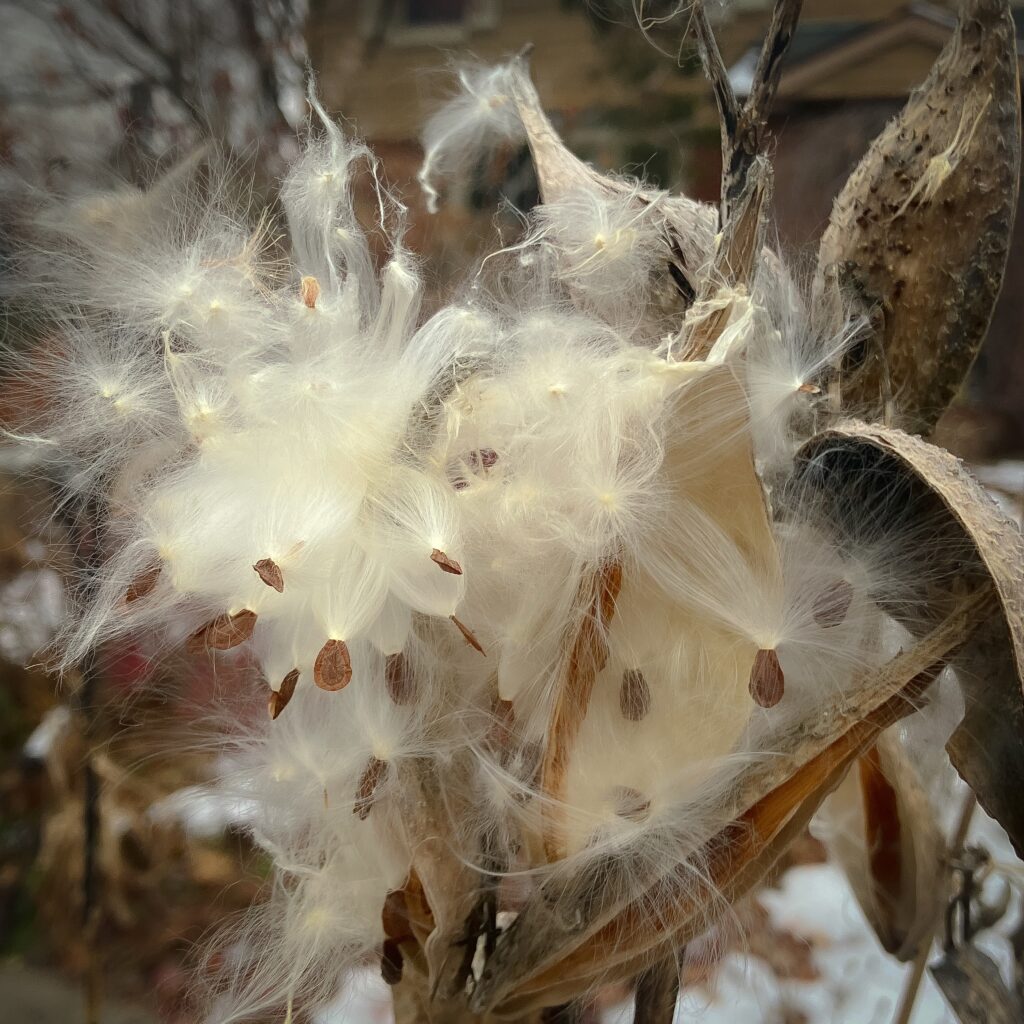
(144, 584)
(280, 697)
(446, 563)
(767, 682)
(468, 635)
(973, 986)
(920, 500)
(634, 695)
(332, 669)
(223, 632)
(270, 572)
(922, 228)
(375, 773)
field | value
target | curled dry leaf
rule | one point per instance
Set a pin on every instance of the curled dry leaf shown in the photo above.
(902, 489)
(223, 632)
(922, 228)
(280, 697)
(270, 572)
(332, 669)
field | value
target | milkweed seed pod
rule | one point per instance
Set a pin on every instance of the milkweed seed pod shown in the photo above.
(572, 604)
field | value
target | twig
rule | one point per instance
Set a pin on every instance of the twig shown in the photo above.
(744, 126)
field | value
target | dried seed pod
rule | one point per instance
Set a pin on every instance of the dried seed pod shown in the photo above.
(375, 773)
(468, 635)
(767, 681)
(894, 486)
(634, 695)
(309, 289)
(270, 572)
(223, 632)
(143, 584)
(831, 606)
(398, 679)
(922, 228)
(446, 563)
(280, 697)
(332, 669)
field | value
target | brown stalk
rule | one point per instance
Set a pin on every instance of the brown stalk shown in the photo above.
(587, 654)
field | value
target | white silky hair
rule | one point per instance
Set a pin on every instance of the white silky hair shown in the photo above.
(285, 455)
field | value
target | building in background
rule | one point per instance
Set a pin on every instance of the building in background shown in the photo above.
(622, 104)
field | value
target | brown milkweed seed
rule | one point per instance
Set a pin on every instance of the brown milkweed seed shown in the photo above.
(398, 679)
(270, 572)
(375, 772)
(332, 669)
(831, 606)
(446, 563)
(309, 289)
(280, 697)
(223, 632)
(143, 584)
(634, 695)
(468, 636)
(767, 682)
(631, 804)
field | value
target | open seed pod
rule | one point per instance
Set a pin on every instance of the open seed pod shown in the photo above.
(878, 484)
(890, 846)
(920, 232)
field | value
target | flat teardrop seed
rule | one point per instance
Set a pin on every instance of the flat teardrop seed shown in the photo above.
(767, 682)
(280, 697)
(399, 680)
(446, 563)
(375, 772)
(223, 632)
(270, 572)
(468, 636)
(143, 584)
(332, 669)
(634, 695)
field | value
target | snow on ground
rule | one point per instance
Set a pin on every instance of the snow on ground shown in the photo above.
(858, 984)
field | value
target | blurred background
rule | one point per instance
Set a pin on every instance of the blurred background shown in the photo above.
(115, 856)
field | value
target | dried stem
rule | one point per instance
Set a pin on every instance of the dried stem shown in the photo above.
(587, 654)
(744, 126)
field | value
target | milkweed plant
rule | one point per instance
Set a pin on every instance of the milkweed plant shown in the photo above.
(571, 602)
